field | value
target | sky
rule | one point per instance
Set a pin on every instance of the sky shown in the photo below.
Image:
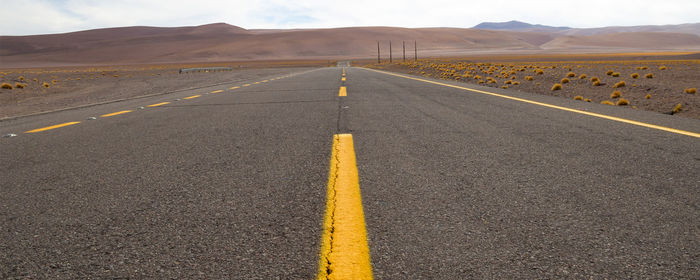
(29, 17)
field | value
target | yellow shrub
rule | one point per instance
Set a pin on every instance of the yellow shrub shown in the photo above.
(6, 86)
(662, 68)
(593, 79)
(622, 102)
(19, 85)
(46, 85)
(556, 87)
(587, 100)
(516, 83)
(648, 96)
(615, 94)
(596, 83)
(616, 74)
(634, 75)
(677, 108)
(529, 78)
(564, 80)
(610, 72)
(571, 74)
(607, 102)
(649, 76)
(578, 97)
(620, 84)
(691, 90)
(539, 72)
(583, 76)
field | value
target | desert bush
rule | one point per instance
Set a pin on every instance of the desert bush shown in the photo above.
(6, 86)
(21, 78)
(593, 79)
(583, 76)
(648, 96)
(615, 94)
(504, 87)
(662, 68)
(677, 108)
(529, 78)
(622, 102)
(610, 72)
(46, 85)
(578, 97)
(564, 80)
(539, 72)
(571, 74)
(596, 83)
(620, 84)
(616, 74)
(19, 85)
(508, 82)
(587, 100)
(607, 102)
(691, 90)
(556, 87)
(515, 83)
(649, 76)
(634, 75)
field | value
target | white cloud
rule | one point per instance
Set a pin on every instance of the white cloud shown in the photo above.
(44, 16)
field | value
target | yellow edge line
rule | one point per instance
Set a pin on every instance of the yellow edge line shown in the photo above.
(343, 91)
(217, 91)
(116, 113)
(51, 127)
(193, 96)
(234, 87)
(643, 124)
(158, 104)
(344, 249)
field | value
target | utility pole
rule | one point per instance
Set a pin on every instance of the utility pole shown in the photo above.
(390, 52)
(378, 57)
(415, 49)
(404, 51)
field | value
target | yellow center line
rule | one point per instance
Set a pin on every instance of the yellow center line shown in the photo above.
(265, 81)
(256, 83)
(343, 91)
(217, 91)
(51, 127)
(158, 104)
(234, 87)
(116, 113)
(342, 79)
(246, 85)
(617, 119)
(344, 249)
(193, 96)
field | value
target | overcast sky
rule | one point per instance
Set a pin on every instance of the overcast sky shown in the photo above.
(27, 17)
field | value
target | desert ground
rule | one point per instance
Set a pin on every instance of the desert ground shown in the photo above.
(35, 90)
(661, 82)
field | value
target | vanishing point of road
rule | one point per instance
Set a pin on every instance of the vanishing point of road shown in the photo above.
(350, 173)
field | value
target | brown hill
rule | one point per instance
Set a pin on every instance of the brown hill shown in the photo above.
(223, 42)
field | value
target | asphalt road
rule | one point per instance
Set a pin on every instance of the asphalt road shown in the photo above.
(455, 184)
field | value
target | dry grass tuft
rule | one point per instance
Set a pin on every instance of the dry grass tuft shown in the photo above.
(615, 94)
(515, 83)
(616, 74)
(508, 82)
(648, 96)
(596, 83)
(564, 80)
(19, 85)
(662, 68)
(571, 74)
(610, 72)
(556, 87)
(620, 84)
(539, 72)
(691, 90)
(21, 78)
(529, 78)
(622, 102)
(587, 100)
(677, 109)
(6, 86)
(634, 75)
(607, 102)
(504, 87)
(46, 85)
(649, 76)
(583, 76)
(578, 97)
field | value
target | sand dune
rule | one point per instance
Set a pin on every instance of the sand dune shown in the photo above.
(223, 42)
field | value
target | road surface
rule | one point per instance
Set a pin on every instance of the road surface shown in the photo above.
(247, 181)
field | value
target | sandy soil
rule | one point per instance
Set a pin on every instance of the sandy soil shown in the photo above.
(76, 86)
(660, 93)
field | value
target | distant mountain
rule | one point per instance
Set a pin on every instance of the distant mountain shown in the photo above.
(516, 26)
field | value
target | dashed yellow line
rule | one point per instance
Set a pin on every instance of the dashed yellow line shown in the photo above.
(234, 87)
(256, 83)
(217, 91)
(617, 119)
(246, 85)
(343, 91)
(193, 96)
(116, 113)
(342, 79)
(51, 127)
(265, 81)
(344, 249)
(158, 104)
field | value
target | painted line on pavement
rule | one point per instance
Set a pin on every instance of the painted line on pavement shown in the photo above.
(344, 248)
(116, 113)
(234, 87)
(343, 91)
(217, 91)
(246, 85)
(158, 104)
(51, 127)
(192, 97)
(342, 79)
(617, 119)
